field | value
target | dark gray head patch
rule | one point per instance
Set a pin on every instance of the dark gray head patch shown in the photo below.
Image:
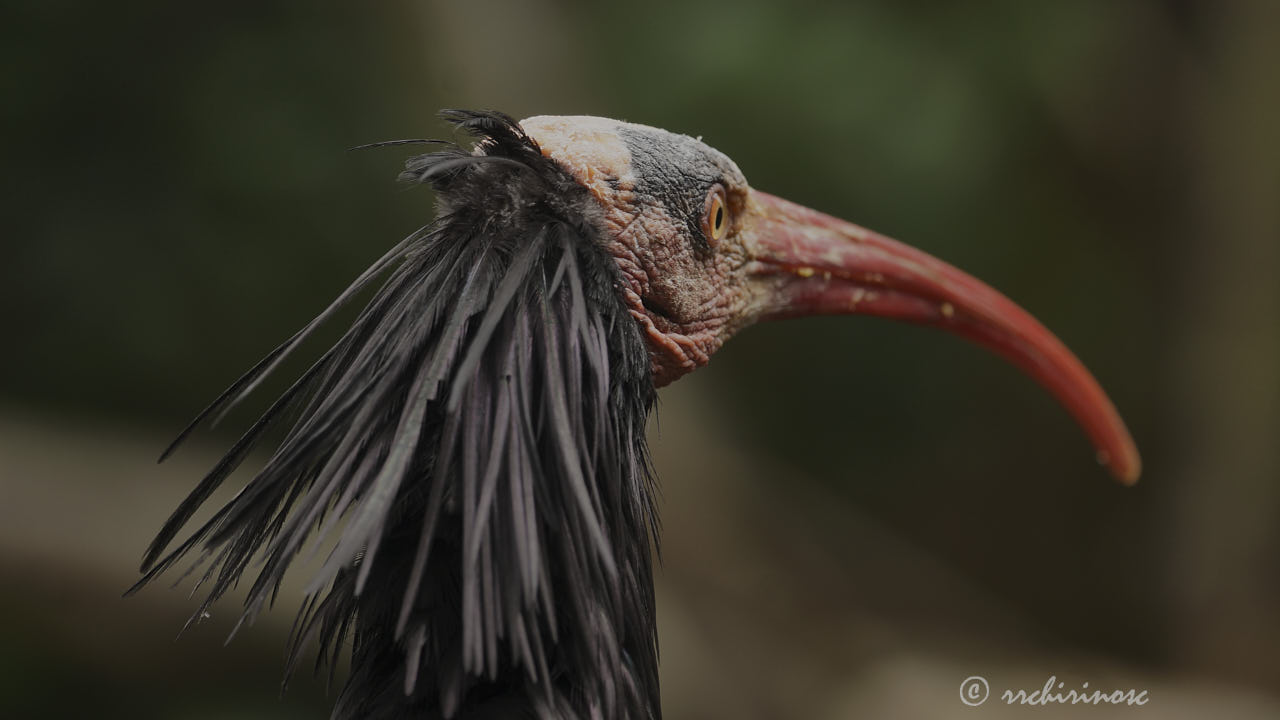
(677, 171)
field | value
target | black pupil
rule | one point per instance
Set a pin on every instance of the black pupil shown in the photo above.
(719, 217)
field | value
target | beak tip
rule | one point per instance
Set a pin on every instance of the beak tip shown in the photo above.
(1128, 468)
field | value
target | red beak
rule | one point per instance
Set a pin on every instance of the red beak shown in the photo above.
(817, 264)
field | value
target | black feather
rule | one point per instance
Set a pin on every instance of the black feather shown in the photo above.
(479, 429)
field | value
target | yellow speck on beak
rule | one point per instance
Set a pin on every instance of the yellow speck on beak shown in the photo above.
(947, 310)
(804, 272)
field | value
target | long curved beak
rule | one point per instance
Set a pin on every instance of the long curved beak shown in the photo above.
(810, 263)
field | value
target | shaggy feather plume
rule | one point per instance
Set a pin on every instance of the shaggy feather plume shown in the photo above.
(471, 455)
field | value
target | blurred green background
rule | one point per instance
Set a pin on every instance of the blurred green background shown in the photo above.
(858, 515)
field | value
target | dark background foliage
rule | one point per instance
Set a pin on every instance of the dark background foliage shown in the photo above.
(858, 514)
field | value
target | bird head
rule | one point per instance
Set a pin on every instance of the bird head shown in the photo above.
(702, 255)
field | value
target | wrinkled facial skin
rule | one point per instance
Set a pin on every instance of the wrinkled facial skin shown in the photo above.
(684, 288)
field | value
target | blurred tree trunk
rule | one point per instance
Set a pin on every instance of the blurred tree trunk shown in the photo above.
(1226, 352)
(526, 64)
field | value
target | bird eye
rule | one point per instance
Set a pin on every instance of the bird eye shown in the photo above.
(715, 215)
